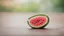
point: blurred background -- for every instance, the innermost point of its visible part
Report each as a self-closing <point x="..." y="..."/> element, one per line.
<point x="31" y="5"/>
<point x="15" y="13"/>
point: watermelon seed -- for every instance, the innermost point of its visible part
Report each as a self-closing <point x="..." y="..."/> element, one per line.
<point x="43" y="20"/>
<point x="40" y="19"/>
<point x="37" y="21"/>
<point x="34" y="23"/>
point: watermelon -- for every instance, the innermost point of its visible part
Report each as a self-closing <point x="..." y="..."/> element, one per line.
<point x="38" y="21"/>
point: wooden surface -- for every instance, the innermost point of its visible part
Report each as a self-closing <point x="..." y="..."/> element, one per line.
<point x="14" y="24"/>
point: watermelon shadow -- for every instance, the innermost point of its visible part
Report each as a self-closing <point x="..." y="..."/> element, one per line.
<point x="39" y="29"/>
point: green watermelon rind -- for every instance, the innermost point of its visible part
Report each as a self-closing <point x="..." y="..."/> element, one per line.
<point x="41" y="26"/>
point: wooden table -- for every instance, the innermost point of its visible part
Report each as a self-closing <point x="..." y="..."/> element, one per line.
<point x="14" y="24"/>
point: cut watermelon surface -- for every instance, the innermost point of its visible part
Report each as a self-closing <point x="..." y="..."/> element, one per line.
<point x="38" y="21"/>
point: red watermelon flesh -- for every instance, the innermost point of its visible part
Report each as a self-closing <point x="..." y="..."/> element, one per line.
<point x="38" y="21"/>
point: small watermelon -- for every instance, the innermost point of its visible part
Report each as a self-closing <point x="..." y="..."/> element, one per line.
<point x="38" y="21"/>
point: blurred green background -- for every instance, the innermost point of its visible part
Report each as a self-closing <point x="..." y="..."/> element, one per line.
<point x="31" y="5"/>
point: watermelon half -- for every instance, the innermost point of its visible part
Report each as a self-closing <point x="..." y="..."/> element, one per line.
<point x="38" y="21"/>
